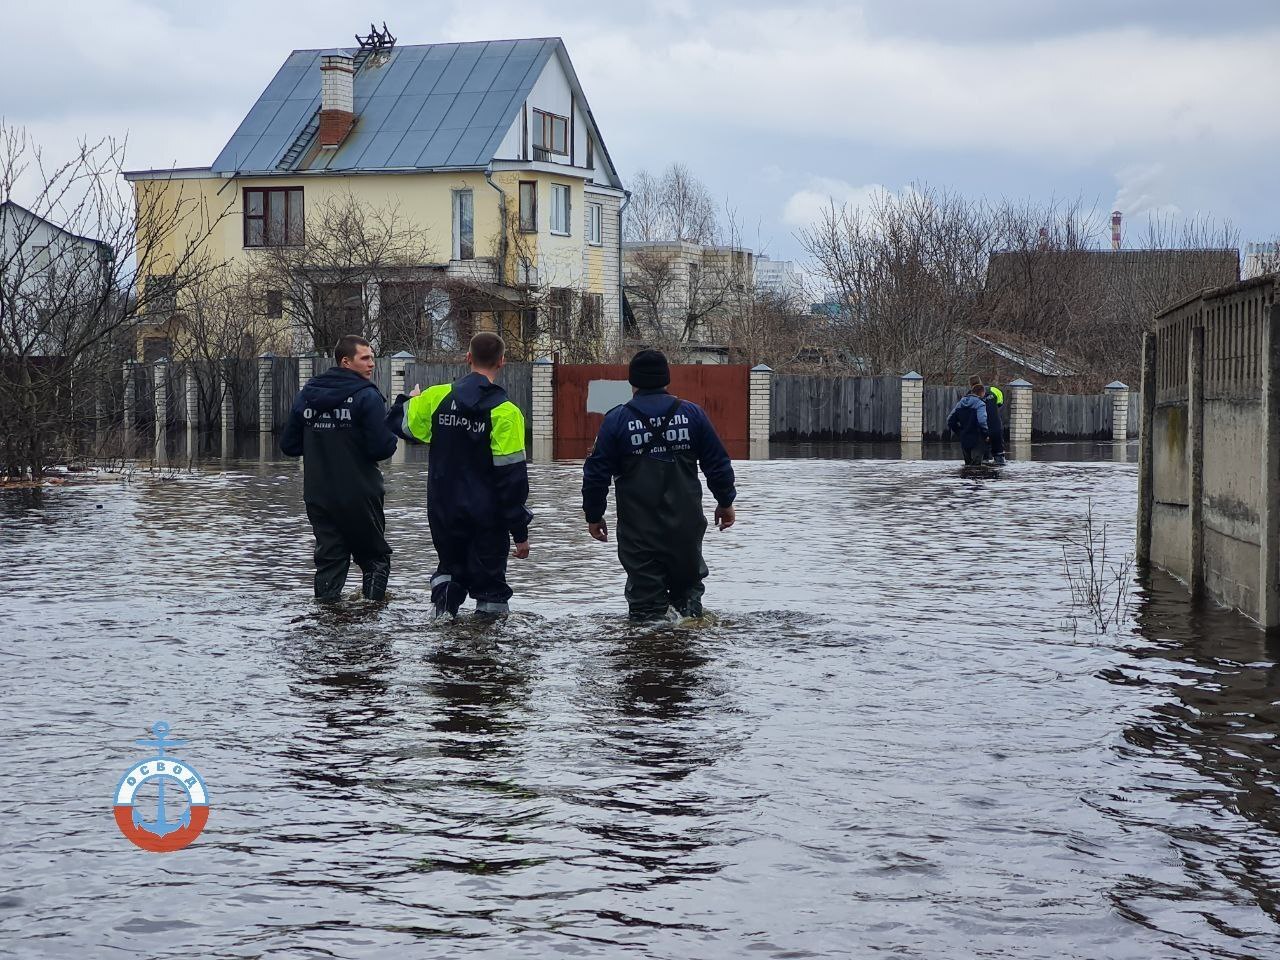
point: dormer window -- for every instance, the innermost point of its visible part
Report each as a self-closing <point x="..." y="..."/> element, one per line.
<point x="550" y="135"/>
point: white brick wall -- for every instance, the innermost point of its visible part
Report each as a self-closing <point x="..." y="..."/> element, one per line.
<point x="337" y="84"/>
<point x="759" y="405"/>
<point x="1019" y="414"/>
<point x="541" y="414"/>
<point x="912" y="416"/>
<point x="266" y="390"/>
<point x="1119" y="414"/>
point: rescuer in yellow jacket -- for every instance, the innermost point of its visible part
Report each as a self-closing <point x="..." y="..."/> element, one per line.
<point x="477" y="479"/>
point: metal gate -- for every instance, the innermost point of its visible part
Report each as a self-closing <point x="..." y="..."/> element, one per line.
<point x="584" y="393"/>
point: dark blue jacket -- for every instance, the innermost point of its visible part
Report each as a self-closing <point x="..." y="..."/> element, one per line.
<point x="968" y="421"/>
<point x="689" y="434"/>
<point x="338" y="426"/>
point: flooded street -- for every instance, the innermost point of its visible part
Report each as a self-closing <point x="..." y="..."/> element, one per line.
<point x="893" y="741"/>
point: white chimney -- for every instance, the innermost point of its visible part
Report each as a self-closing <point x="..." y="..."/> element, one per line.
<point x="337" y="99"/>
<point x="1116" y="216"/>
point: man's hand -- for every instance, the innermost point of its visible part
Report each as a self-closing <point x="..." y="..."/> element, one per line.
<point x="417" y="389"/>
<point x="725" y="517"/>
<point x="598" y="531"/>
<point x="521" y="551"/>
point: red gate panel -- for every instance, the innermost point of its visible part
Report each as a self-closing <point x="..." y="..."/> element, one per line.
<point x="721" y="390"/>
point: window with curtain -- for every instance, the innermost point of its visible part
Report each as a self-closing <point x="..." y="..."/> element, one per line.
<point x="464" y="240"/>
<point x="528" y="206"/>
<point x="273" y="216"/>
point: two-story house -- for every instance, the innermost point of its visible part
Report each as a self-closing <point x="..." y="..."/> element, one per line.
<point x="488" y="151"/>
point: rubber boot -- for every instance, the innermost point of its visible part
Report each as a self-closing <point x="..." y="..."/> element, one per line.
<point x="375" y="581"/>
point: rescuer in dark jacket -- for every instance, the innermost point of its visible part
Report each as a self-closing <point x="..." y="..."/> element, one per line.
<point x="338" y="427"/>
<point x="651" y="447"/>
<point x="994" y="400"/>
<point x="968" y="422"/>
<point x="477" y="479"/>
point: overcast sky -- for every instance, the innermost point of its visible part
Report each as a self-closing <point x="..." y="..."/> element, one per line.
<point x="1167" y="106"/>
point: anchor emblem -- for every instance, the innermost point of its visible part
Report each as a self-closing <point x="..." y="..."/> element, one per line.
<point x="161" y="826"/>
<point x="161" y="835"/>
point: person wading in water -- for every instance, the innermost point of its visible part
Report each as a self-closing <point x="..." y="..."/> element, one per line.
<point x="651" y="447"/>
<point x="968" y="422"/>
<point x="477" y="479"/>
<point x="338" y="426"/>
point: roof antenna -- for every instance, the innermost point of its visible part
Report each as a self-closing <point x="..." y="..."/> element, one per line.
<point x="378" y="41"/>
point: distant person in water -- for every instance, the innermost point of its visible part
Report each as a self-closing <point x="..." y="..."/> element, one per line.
<point x="338" y="426"/>
<point x="651" y="448"/>
<point x="968" y="423"/>
<point x="994" y="399"/>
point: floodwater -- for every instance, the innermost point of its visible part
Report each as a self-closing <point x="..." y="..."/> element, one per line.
<point x="894" y="741"/>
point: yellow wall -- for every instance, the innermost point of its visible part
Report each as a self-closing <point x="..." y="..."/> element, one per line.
<point x="423" y="200"/>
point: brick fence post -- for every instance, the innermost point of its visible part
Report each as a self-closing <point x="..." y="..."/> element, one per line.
<point x="266" y="392"/>
<point x="161" y="397"/>
<point x="542" y="408"/>
<point x="191" y="396"/>
<point x="130" y="396"/>
<point x="228" y="397"/>
<point x="1119" y="393"/>
<point x="759" y="411"/>
<point x="399" y="362"/>
<point x="1020" y="400"/>
<point x="911" y="428"/>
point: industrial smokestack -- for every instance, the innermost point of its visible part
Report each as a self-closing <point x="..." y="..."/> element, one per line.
<point x="1116" y="217"/>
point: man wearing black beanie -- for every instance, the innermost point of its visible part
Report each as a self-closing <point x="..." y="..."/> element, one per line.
<point x="652" y="447"/>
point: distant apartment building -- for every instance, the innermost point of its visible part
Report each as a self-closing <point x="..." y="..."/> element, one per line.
<point x="1260" y="258"/>
<point x="682" y="296"/>
<point x="777" y="278"/>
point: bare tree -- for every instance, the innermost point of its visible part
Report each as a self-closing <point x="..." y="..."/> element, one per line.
<point x="351" y="251"/>
<point x="222" y="315"/>
<point x="70" y="295"/>
<point x="675" y="207"/>
<point x="907" y="273"/>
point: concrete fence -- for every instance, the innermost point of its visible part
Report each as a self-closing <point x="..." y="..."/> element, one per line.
<point x="1209" y="474"/>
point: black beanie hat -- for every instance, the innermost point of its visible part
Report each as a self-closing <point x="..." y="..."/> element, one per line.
<point x="649" y="370"/>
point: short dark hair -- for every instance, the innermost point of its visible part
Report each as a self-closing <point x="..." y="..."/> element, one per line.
<point x="487" y="349"/>
<point x="346" y="347"/>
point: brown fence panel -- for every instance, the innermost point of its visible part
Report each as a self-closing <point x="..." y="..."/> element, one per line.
<point x="720" y="389"/>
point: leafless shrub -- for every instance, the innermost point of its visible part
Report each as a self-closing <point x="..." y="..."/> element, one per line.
<point x="72" y="294"/>
<point x="1100" y="584"/>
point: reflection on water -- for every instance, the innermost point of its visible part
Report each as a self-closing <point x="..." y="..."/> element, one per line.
<point x="889" y="740"/>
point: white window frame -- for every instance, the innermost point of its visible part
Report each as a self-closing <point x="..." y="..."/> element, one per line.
<point x="595" y="224"/>
<point x="457" y="223"/>
<point x="558" y="191"/>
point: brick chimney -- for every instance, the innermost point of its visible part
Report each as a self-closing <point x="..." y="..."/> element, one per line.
<point x="337" y="99"/>
<point x="1115" y="229"/>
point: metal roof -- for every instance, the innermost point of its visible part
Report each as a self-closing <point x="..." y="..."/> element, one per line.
<point x="429" y="105"/>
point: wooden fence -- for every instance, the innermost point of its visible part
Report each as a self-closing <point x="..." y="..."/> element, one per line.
<point x="938" y="403"/>
<point x="1056" y="416"/>
<point x="812" y="408"/>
